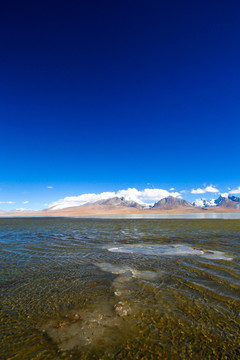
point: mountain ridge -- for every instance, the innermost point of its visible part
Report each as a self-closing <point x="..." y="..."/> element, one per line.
<point x="167" y="203"/>
<point x="120" y="205"/>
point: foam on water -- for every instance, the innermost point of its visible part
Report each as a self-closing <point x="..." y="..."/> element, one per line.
<point x="169" y="250"/>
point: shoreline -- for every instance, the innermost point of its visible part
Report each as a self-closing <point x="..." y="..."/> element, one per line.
<point x="228" y="215"/>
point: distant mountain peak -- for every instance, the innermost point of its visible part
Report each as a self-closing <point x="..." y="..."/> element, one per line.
<point x="119" y="202"/>
<point x="229" y="202"/>
<point x="223" y="201"/>
<point x="171" y="203"/>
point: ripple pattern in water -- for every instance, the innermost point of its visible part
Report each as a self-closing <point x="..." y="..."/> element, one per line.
<point x="119" y="289"/>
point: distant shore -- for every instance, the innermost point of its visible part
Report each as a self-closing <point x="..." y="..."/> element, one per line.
<point x="92" y="212"/>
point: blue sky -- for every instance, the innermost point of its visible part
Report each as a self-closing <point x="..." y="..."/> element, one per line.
<point x="104" y="96"/>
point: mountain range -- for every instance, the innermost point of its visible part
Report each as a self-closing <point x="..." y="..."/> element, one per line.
<point x="170" y="203"/>
<point x="120" y="205"/>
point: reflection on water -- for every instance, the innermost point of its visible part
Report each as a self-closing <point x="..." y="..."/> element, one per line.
<point x="119" y="289"/>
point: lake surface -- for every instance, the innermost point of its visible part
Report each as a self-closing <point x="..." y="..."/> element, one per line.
<point x="74" y="288"/>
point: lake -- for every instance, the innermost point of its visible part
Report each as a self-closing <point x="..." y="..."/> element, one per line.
<point x="119" y="288"/>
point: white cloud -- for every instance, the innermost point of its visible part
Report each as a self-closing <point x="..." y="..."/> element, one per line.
<point x="145" y="196"/>
<point x="155" y="194"/>
<point x="172" y="189"/>
<point x="22" y="210"/>
<point x="70" y="201"/>
<point x="235" y="191"/>
<point x="210" y="189"/>
<point x="130" y="193"/>
<point x="224" y="195"/>
<point x="25" y="202"/>
<point x="50" y="187"/>
<point x="198" y="191"/>
<point x="7" y="202"/>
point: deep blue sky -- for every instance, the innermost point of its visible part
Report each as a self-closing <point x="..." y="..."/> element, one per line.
<point x="103" y="95"/>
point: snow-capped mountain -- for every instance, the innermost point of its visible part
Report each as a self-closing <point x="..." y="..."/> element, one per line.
<point x="204" y="203"/>
<point x="224" y="200"/>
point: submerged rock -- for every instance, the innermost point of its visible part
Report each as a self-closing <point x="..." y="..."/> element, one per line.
<point x="60" y="325"/>
<point x="122" y="309"/>
<point x="73" y="317"/>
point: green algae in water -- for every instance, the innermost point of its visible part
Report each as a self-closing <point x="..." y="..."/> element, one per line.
<point x="64" y="295"/>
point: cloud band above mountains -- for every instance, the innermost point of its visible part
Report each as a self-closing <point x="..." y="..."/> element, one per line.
<point x="7" y="202"/>
<point x="235" y="191"/>
<point x="146" y="196"/>
<point x="210" y="189"/>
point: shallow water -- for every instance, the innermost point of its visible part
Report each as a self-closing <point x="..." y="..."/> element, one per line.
<point x="119" y="289"/>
